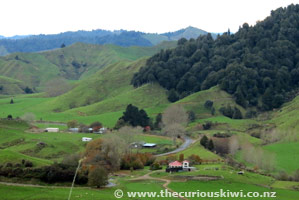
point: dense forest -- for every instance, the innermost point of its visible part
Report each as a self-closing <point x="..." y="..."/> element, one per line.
<point x="258" y="65"/>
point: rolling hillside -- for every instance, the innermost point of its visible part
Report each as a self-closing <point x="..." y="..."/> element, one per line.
<point x="10" y="86"/>
<point x="75" y="62"/>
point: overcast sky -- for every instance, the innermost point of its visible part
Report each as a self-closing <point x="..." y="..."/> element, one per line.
<point x="22" y="17"/>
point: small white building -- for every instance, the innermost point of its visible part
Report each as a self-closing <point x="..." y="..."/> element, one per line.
<point x="149" y="145"/>
<point x="53" y="130"/>
<point x="86" y="139"/>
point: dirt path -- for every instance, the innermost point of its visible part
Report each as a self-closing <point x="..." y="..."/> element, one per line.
<point x="165" y="185"/>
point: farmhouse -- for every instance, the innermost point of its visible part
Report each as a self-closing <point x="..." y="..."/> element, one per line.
<point x="86" y="139"/>
<point x="54" y="130"/>
<point x="177" y="166"/>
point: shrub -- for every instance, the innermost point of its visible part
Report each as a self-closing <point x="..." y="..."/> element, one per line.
<point x="72" y="123"/>
<point x="204" y="141"/>
<point x="195" y="159"/>
<point x="155" y="166"/>
<point x="207" y="125"/>
<point x="98" y="177"/>
<point x="208" y="104"/>
<point x="28" y="163"/>
<point x="137" y="161"/>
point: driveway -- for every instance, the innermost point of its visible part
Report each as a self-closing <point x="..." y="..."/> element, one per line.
<point x="188" y="141"/>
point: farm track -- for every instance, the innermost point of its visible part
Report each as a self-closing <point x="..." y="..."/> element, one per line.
<point x="188" y="141"/>
<point x="165" y="185"/>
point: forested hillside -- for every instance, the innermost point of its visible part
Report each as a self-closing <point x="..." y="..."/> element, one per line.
<point x="258" y="65"/>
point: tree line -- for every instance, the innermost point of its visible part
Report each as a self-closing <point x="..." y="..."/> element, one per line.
<point x="258" y="65"/>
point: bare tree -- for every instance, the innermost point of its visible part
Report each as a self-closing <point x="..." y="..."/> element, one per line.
<point x="234" y="145"/>
<point x="113" y="149"/>
<point x="175" y="114"/>
<point x="174" y="130"/>
<point x="28" y="117"/>
<point x="174" y="119"/>
<point x="129" y="133"/>
<point x="276" y="135"/>
<point x="56" y="87"/>
<point x="256" y="155"/>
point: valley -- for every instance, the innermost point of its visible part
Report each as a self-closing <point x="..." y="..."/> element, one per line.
<point x="132" y="115"/>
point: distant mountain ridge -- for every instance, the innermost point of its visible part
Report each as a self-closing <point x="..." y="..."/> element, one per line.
<point x="36" y="43"/>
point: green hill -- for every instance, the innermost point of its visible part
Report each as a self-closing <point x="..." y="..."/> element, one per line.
<point x="10" y="86"/>
<point x="75" y="62"/>
<point x="286" y="118"/>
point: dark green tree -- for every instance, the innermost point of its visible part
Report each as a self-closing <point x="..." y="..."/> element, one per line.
<point x="173" y="96"/>
<point x="208" y="104"/>
<point x="237" y="114"/>
<point x="210" y="145"/>
<point x="191" y="116"/>
<point x="98" y="177"/>
<point x="204" y="141"/>
<point x="158" y="121"/>
<point x="28" y="90"/>
<point x="135" y="117"/>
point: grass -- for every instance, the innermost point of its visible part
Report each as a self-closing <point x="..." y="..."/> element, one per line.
<point x="286" y="157"/>
<point x="18" y="143"/>
<point x="289" y="185"/>
<point x="31" y="193"/>
<point x="196" y="149"/>
<point x="36" y="69"/>
<point x="196" y="101"/>
<point x="286" y="118"/>
<point x="10" y="86"/>
<point x="113" y="93"/>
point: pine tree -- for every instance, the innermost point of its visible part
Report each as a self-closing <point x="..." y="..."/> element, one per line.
<point x="210" y="145"/>
<point x="204" y="141"/>
<point x="11" y="101"/>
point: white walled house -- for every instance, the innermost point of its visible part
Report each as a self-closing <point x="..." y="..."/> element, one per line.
<point x="53" y="130"/>
<point x="177" y="166"/>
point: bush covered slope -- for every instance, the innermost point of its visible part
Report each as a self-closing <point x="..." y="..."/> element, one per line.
<point x="258" y="65"/>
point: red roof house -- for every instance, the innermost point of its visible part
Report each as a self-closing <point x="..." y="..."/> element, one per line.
<point x="175" y="164"/>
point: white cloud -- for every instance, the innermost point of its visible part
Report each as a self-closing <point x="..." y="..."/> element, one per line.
<point x="54" y="16"/>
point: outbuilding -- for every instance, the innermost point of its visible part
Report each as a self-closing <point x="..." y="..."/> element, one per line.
<point x="149" y="145"/>
<point x="53" y="130"/>
<point x="86" y="139"/>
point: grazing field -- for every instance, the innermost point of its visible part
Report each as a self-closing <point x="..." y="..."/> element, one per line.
<point x="48" y="193"/>
<point x="40" y="148"/>
<point x="286" y="158"/>
<point x="196" y="149"/>
<point x="286" y="118"/>
<point x="196" y="101"/>
<point x="43" y="148"/>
